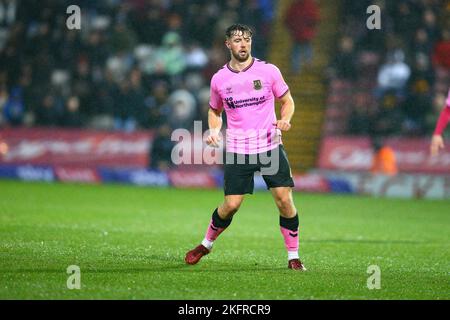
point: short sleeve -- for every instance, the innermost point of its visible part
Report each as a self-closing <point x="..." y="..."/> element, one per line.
<point x="215" y="101"/>
<point x="279" y="87"/>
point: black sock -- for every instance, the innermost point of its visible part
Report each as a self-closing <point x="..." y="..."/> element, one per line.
<point x="219" y="222"/>
<point x="289" y="223"/>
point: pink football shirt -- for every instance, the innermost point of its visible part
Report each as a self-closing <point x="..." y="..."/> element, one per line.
<point x="448" y="98"/>
<point x="248" y="98"/>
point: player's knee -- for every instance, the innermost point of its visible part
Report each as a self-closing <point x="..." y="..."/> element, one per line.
<point x="284" y="203"/>
<point x="231" y="207"/>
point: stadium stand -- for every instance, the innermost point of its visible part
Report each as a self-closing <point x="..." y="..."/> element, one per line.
<point x="393" y="81"/>
<point x="138" y="64"/>
<point x="132" y="63"/>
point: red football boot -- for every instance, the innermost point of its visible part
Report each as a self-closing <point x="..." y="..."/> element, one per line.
<point x="296" y="264"/>
<point x="194" y="256"/>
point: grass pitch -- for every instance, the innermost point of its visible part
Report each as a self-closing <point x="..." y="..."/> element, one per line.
<point x="130" y="242"/>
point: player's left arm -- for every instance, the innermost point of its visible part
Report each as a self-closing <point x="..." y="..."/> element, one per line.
<point x="287" y="111"/>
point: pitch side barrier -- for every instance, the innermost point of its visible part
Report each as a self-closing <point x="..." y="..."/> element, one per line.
<point x="319" y="181"/>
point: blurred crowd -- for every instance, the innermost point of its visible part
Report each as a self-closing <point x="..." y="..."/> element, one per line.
<point x="133" y="64"/>
<point x="147" y="63"/>
<point x="394" y="81"/>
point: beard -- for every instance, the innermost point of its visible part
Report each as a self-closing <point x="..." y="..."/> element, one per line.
<point x="239" y="57"/>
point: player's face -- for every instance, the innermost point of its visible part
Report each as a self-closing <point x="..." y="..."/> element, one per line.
<point x="240" y="45"/>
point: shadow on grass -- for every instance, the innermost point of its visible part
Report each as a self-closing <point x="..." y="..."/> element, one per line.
<point x="137" y="263"/>
<point x="172" y="268"/>
<point x="156" y="263"/>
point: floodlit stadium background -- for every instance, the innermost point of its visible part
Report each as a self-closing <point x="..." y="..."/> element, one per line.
<point x="97" y="105"/>
<point x="83" y="104"/>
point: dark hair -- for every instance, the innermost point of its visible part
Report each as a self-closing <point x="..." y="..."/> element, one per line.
<point x="377" y="142"/>
<point x="231" y="30"/>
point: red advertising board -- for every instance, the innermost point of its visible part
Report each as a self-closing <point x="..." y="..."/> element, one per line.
<point x="310" y="183"/>
<point x="71" y="174"/>
<point x="76" y="148"/>
<point x="355" y="154"/>
<point x="191" y="179"/>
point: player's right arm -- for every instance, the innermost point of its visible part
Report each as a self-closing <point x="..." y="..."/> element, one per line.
<point x="214" y="116"/>
<point x="215" y="124"/>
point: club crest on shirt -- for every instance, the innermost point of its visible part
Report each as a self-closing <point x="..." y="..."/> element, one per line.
<point x="257" y="84"/>
<point x="229" y="91"/>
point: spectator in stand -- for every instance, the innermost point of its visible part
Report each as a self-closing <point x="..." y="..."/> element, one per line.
<point x="177" y="9"/>
<point x="137" y="97"/>
<point x="157" y="110"/>
<point x="161" y="150"/>
<point x="217" y="58"/>
<point x="430" y="25"/>
<point x="203" y="102"/>
<point x="8" y="13"/>
<point x="421" y="44"/>
<point x="14" y="109"/>
<point x="267" y="10"/>
<point x="124" y="108"/>
<point x="82" y="85"/>
<point x="123" y="39"/>
<point x="343" y="65"/>
<point x="418" y="102"/>
<point x="384" y="161"/>
<point x="149" y="23"/>
<point x="67" y="50"/>
<point x="196" y="24"/>
<point x="104" y="88"/>
<point x="387" y="118"/>
<point x="47" y="114"/>
<point x="415" y="108"/>
<point x="393" y="75"/>
<point x="359" y="121"/>
<point x="183" y="109"/>
<point x="362" y="115"/>
<point x="171" y="55"/>
<point x="302" y="19"/>
<point x="441" y="56"/>
<point x="253" y="17"/>
<point x="4" y="97"/>
<point x="409" y="83"/>
<point x="41" y="55"/>
<point x="95" y="49"/>
<point x="103" y="100"/>
<point x="407" y="18"/>
<point x="422" y="74"/>
<point x="196" y="57"/>
<point x="72" y="117"/>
